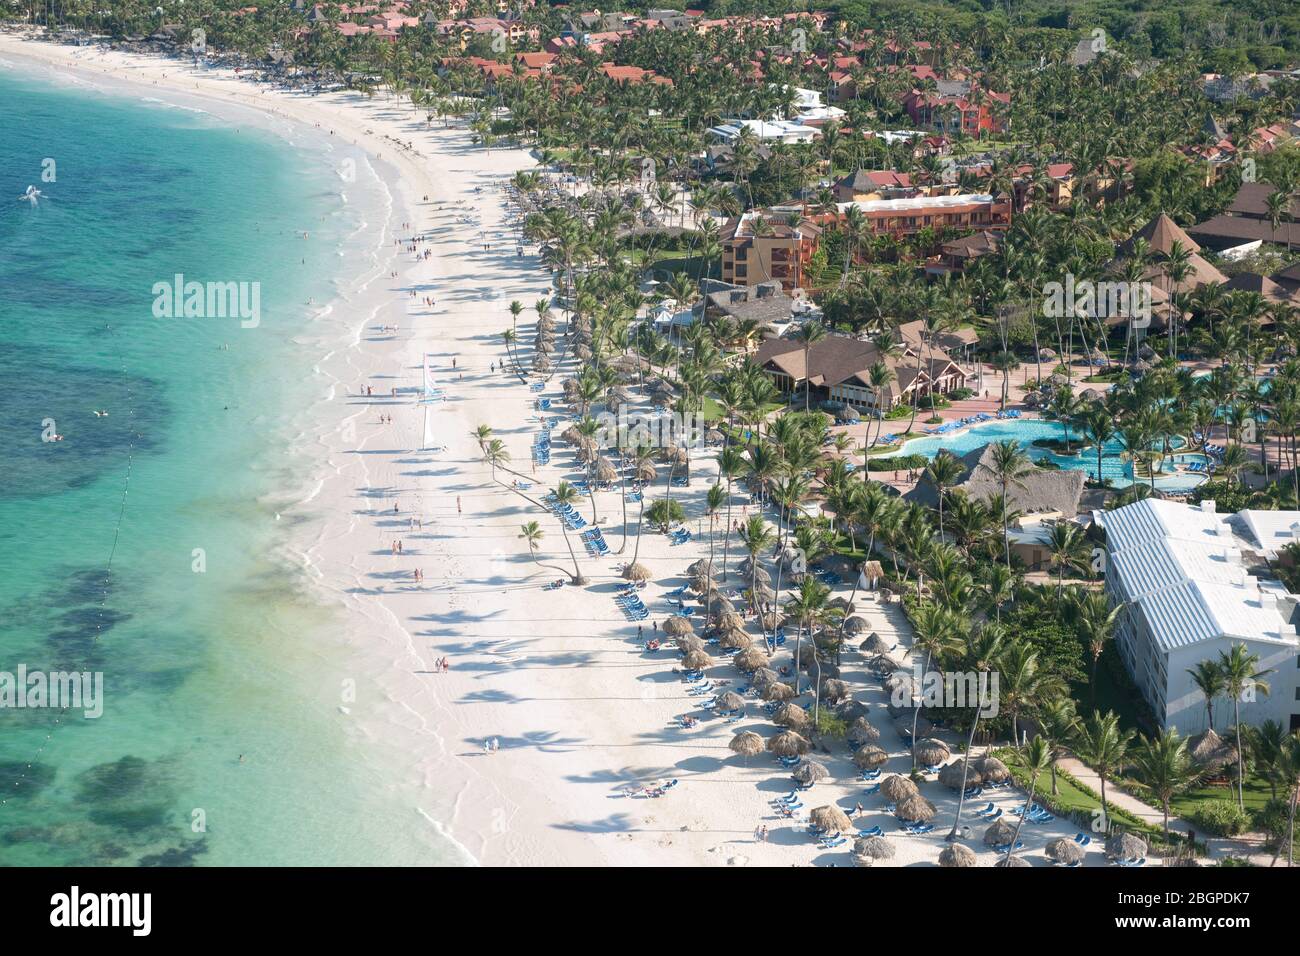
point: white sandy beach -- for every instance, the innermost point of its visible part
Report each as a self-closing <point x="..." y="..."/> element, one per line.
<point x="583" y="715"/>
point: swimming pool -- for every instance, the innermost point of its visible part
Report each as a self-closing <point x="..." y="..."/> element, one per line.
<point x="1025" y="431"/>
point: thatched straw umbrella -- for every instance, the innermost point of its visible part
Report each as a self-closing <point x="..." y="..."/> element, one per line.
<point x="834" y="690"/>
<point x="867" y="850"/>
<point x="716" y="604"/>
<point x="950" y="776"/>
<point x="678" y="626"/>
<point x="764" y="677"/>
<point x="791" y="716"/>
<point x="896" y="788"/>
<point x="992" y="770"/>
<point x="544" y="346"/>
<point x="746" y="743"/>
<point x="747" y="572"/>
<point x="1211" y="750"/>
<point x="810" y="771"/>
<point x="700" y="566"/>
<point x="582" y="353"/>
<point x="1125" y="846"/>
<point x="730" y="621"/>
<point x="760" y="594"/>
<point x="851" y="710"/>
<point x="571" y="435"/>
<point x="862" y="733"/>
<point x="542" y="364"/>
<point x="646" y="472"/>
<point x="605" y="470"/>
<point x="729" y="701"/>
<point x="1065" y="851"/>
<point x="637" y="572"/>
<point x="841" y="604"/>
<point x="829" y="818"/>
<point x="957" y="855"/>
<point x="854" y="626"/>
<point x="869" y="757"/>
<point x="1006" y="861"/>
<point x="702" y="584"/>
<point x="661" y="399"/>
<point x="750" y="659"/>
<point x="546" y="324"/>
<point x="874" y="644"/>
<point x="789" y="744"/>
<point x="999" y="834"/>
<point x="806" y="654"/>
<point x="689" y="642"/>
<point x="697" y="661"/>
<point x="931" y="752"/>
<point x="904" y="726"/>
<point x="898" y="686"/>
<point x="737" y="638"/>
<point x="915" y="809"/>
<point x="779" y="691"/>
<point x="772" y="620"/>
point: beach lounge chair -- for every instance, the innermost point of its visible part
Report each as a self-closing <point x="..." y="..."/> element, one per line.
<point x="1003" y="848"/>
<point x="828" y="843"/>
<point x="873" y="831"/>
<point x="1082" y="839"/>
<point x="874" y="788"/>
<point x="985" y="810"/>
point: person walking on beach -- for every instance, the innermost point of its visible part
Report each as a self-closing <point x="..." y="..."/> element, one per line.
<point x="458" y="511"/>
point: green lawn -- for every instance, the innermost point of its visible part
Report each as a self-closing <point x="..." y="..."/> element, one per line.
<point x="1257" y="795"/>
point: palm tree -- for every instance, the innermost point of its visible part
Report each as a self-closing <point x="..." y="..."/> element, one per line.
<point x="809" y="333"/>
<point x="566" y="494"/>
<point x="983" y="648"/>
<point x="1095" y="621"/>
<point x="1241" y="678"/>
<point x="481" y="434"/>
<point x="808" y="606"/>
<point x="944" y="470"/>
<point x="1163" y="768"/>
<point x="1038" y="758"/>
<point x="533" y="534"/>
<point x="731" y="464"/>
<point x="1068" y="549"/>
<point x="495" y="454"/>
<point x="1208" y="679"/>
<point x="1104" y="746"/>
<point x="936" y="631"/>
<point x="1009" y="465"/>
<point x="1099" y="426"/>
<point x="1058" y="725"/>
<point x="757" y="538"/>
<point x="713" y="503"/>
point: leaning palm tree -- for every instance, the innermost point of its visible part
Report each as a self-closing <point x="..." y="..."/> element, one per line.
<point x="565" y="494"/>
<point x="533" y="534"/>
<point x="1241" y="679"/>
<point x="1104" y="746"/>
<point x="1010" y="465"/>
<point x="495" y="454"/>
<point x="713" y="504"/>
<point x="481" y="434"/>
<point x="1163" y="768"/>
<point x="1038" y="758"/>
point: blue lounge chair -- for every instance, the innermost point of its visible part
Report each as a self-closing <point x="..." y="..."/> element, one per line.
<point x="1082" y="839"/>
<point x="874" y="788"/>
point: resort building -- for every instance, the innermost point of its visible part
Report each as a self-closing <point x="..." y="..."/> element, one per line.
<point x="839" y="367"/>
<point x="869" y="185"/>
<point x="1195" y="583"/>
<point x="768" y="247"/>
<point x="1247" y="220"/>
<point x="771" y="131"/>
<point x="906" y="217"/>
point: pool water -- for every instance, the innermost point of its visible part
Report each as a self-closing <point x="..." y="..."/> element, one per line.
<point x="1025" y="431"/>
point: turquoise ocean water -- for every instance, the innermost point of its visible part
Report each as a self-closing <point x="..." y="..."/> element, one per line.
<point x="141" y="545"/>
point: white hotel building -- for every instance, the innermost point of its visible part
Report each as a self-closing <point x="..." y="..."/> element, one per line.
<point x="1197" y="582"/>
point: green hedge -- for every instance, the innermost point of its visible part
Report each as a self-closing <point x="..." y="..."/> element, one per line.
<point x="897" y="463"/>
